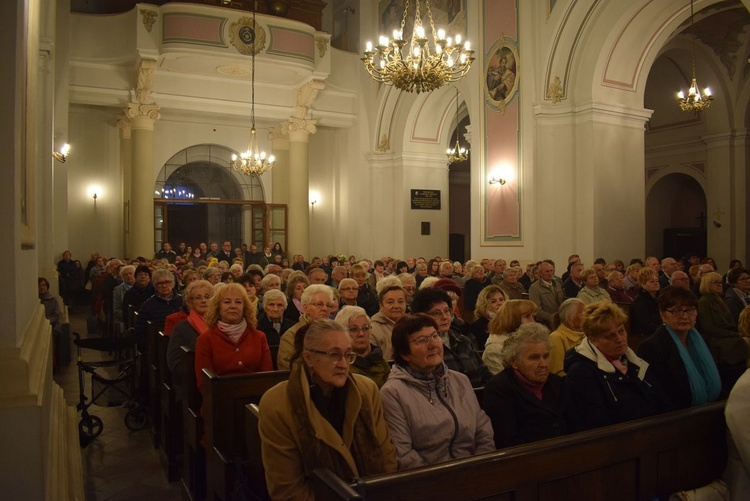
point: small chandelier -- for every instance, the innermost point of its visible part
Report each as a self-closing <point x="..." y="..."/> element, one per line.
<point x="253" y="161"/>
<point x="695" y="101"/>
<point x="421" y="68"/>
<point x="458" y="153"/>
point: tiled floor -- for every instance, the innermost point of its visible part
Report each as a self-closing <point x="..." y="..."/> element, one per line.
<point x="120" y="464"/>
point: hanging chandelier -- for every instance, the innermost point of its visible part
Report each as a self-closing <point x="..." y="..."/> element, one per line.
<point x="458" y="153"/>
<point x="415" y="65"/>
<point x="254" y="161"/>
<point x="695" y="101"/>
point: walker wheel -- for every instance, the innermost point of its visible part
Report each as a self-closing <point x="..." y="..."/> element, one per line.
<point x="136" y="419"/>
<point x="89" y="428"/>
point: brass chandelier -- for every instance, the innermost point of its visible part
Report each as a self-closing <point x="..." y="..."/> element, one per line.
<point x="695" y="101"/>
<point x="458" y="153"/>
<point x="254" y="161"/>
<point x="416" y="65"/>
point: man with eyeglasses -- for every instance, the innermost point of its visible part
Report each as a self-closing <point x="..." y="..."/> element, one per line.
<point x="141" y="290"/>
<point x="317" y="303"/>
<point x="458" y="350"/>
<point x="155" y="309"/>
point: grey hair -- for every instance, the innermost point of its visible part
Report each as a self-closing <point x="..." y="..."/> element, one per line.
<point x="567" y="308"/>
<point x="274" y="294"/>
<point x="313" y="289"/>
<point x="128" y="267"/>
<point x="530" y="333"/>
<point x="210" y="270"/>
<point x="349" y="313"/>
<point x="406" y="277"/>
<point x="162" y="273"/>
<point x="236" y="267"/>
<point x="319" y="328"/>
<point x="386" y="282"/>
<point x="267" y="279"/>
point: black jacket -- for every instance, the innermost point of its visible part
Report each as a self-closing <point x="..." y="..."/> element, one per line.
<point x="644" y="315"/>
<point x="665" y="364"/>
<point x="266" y="326"/>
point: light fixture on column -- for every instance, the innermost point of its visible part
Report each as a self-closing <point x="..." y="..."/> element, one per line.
<point x="694" y="101"/>
<point x="458" y="153"/>
<point x="62" y="155"/>
<point x="497" y="180"/>
<point x="415" y="65"/>
<point x="254" y="161"/>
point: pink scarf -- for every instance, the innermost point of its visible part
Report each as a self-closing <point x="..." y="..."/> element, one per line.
<point x="233" y="331"/>
<point x="534" y="388"/>
<point x="197" y="322"/>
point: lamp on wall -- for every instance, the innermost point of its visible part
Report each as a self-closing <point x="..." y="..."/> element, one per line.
<point x="62" y="155"/>
<point x="694" y="101"/>
<point x="458" y="153"/>
<point x="414" y="65"/>
<point x="254" y="161"/>
<point x="497" y="180"/>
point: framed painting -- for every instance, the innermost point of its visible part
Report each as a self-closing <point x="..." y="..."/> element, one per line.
<point x="502" y="73"/>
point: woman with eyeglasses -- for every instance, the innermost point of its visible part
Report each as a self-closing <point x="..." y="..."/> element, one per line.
<point x="431" y="411"/>
<point x="322" y="417"/>
<point x="677" y="355"/>
<point x="232" y="344"/>
<point x="720" y="330"/>
<point x="185" y="333"/>
<point x="370" y="361"/>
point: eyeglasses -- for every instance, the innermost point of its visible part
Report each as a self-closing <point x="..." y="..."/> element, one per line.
<point x="205" y="296"/>
<point x="162" y="284"/>
<point x="423" y="340"/>
<point x="321" y="305"/>
<point x="364" y="330"/>
<point x="335" y="356"/>
<point x="440" y="313"/>
<point x="682" y="311"/>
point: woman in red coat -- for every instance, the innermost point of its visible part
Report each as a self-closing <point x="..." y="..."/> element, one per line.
<point x="232" y="344"/>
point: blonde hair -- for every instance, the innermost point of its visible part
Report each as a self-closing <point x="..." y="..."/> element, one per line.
<point x="706" y="280"/>
<point x="602" y="316"/>
<point x="485" y="298"/>
<point x="249" y="311"/>
<point x="508" y="319"/>
<point x="645" y="274"/>
<point x="187" y="298"/>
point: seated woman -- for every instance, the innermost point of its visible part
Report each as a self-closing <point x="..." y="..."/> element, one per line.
<point x="736" y="296"/>
<point x="271" y="320"/>
<point x="370" y="361"/>
<point x="591" y="292"/>
<point x="616" y="288"/>
<point x="196" y="299"/>
<point x="295" y="286"/>
<point x="677" y="355"/>
<point x="568" y="334"/>
<point x="511" y="286"/>
<point x="525" y="402"/>
<point x="432" y="412"/>
<point x="645" y="310"/>
<point x="392" y="301"/>
<point x="715" y="322"/>
<point x="51" y="305"/>
<point x="232" y="344"/>
<point x="607" y="382"/>
<point x="322" y="417"/>
<point x="488" y="304"/>
<point x="511" y="316"/>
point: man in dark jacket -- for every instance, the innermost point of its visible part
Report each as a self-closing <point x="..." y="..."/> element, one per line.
<point x="138" y="293"/>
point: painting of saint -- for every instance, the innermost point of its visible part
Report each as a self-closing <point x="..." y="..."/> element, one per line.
<point x="502" y="74"/>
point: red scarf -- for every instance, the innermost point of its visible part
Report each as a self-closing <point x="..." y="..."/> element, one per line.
<point x="197" y="321"/>
<point x="534" y="388"/>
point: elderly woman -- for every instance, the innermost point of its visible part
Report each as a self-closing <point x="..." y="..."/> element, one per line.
<point x="721" y="332"/>
<point x="370" y="361"/>
<point x="510" y="317"/>
<point x="127" y="274"/>
<point x="348" y="290"/>
<point x="409" y="284"/>
<point x="736" y="295"/>
<point x="591" y="292"/>
<point x="317" y="304"/>
<point x="295" y="286"/>
<point x="568" y="334"/>
<point x="269" y="282"/>
<point x="488" y="304"/>
<point x="616" y="288"/>
<point x="392" y="301"/>
<point x="212" y="274"/>
<point x="510" y="285"/>
<point x="271" y="320"/>
<point x="607" y="381"/>
<point x="322" y="417"/>
<point x="196" y="299"/>
<point x="232" y="344"/>
<point x="431" y="410"/>
<point x="645" y="316"/>
<point x="525" y="402"/>
<point x="677" y="355"/>
<point x="367" y="298"/>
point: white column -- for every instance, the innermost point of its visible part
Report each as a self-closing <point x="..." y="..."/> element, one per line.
<point x="725" y="183"/>
<point x="280" y="172"/>
<point x="126" y="167"/>
<point x="298" y="208"/>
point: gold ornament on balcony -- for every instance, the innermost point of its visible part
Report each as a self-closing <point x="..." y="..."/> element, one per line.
<point x="415" y="65"/>
<point x="694" y="101"/>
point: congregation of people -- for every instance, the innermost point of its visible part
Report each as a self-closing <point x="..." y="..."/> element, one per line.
<point x="386" y="356"/>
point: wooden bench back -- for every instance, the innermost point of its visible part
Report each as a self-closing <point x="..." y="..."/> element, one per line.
<point x="194" y="460"/>
<point x="644" y="459"/>
<point x="256" y="474"/>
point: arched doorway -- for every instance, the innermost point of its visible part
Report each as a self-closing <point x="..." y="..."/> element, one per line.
<point x="199" y="198"/>
<point x="676" y="217"/>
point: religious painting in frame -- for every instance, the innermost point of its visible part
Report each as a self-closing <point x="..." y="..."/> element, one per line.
<point x="449" y="15"/>
<point x="502" y="74"/>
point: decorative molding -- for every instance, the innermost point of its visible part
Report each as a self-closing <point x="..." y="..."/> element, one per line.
<point x="726" y="45"/>
<point x="299" y="125"/>
<point x="124" y="124"/>
<point x="136" y="111"/>
<point x="322" y="44"/>
<point x="384" y="145"/>
<point x="148" y="18"/>
<point x="145" y="81"/>
<point x="306" y="96"/>
<point x="246" y="36"/>
<point x="555" y="91"/>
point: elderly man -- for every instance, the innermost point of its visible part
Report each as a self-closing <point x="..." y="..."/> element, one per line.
<point x="127" y="274"/>
<point x="680" y="279"/>
<point x="511" y="286"/>
<point x="668" y="266"/>
<point x="164" y="302"/>
<point x="498" y="271"/>
<point x="317" y="303"/>
<point x="601" y="273"/>
<point x="213" y="251"/>
<point x="226" y="253"/>
<point x="547" y="294"/>
<point x="574" y="283"/>
<point x="317" y="276"/>
<point x="337" y="275"/>
<point x="573" y="258"/>
<point x="446" y="270"/>
<point x="616" y="288"/>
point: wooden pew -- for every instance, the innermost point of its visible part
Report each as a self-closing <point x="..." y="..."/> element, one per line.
<point x="193" y="453"/>
<point x="256" y="474"/>
<point x="154" y="380"/>
<point x="224" y="400"/>
<point x="643" y="460"/>
<point x="170" y="417"/>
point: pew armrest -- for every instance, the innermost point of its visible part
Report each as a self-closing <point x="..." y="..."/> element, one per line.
<point x="327" y="485"/>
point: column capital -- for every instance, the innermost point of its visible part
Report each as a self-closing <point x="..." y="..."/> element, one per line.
<point x="279" y="138"/>
<point x="143" y="116"/>
<point x="299" y="129"/>
<point x="124" y="124"/>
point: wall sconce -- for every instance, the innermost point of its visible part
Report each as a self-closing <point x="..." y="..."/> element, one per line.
<point x="313" y="202"/>
<point x="497" y="180"/>
<point x="95" y="197"/>
<point x="313" y="197"/>
<point x="62" y="155"/>
<point x="95" y="192"/>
